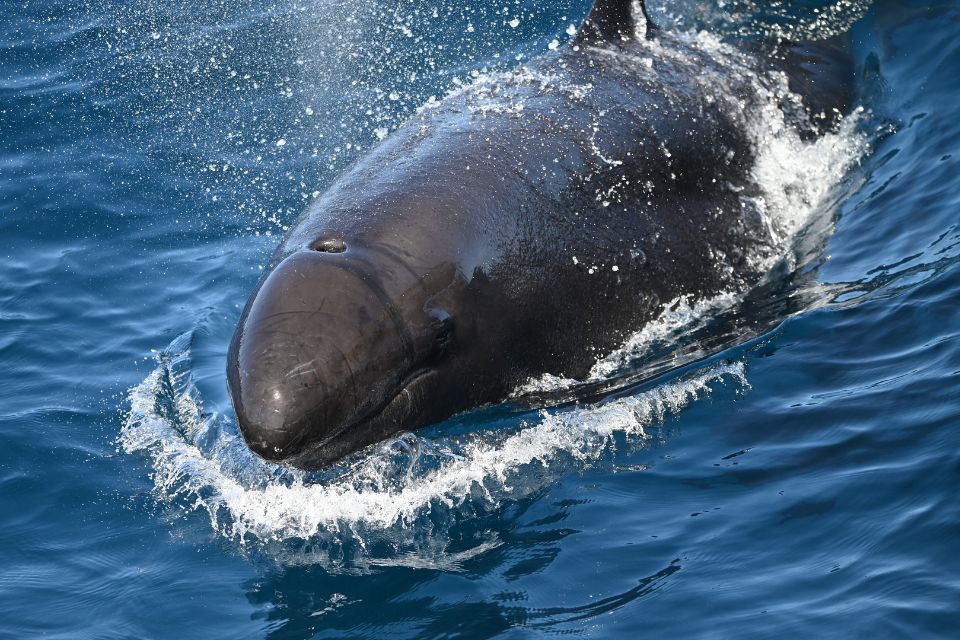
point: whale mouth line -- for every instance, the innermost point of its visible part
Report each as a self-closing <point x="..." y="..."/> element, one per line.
<point x="405" y="384"/>
<point x="374" y="423"/>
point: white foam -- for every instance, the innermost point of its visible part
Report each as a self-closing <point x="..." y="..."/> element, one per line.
<point x="248" y="499"/>
<point x="795" y="177"/>
<point x="678" y="316"/>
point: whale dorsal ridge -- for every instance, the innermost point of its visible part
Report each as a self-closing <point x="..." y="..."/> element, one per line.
<point x="613" y="21"/>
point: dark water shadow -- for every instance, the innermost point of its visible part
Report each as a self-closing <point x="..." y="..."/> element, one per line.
<point x="383" y="604"/>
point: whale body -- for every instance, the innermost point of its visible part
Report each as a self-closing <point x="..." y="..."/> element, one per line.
<point x="525" y="225"/>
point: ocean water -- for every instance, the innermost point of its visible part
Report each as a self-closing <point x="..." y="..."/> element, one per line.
<point x="784" y="464"/>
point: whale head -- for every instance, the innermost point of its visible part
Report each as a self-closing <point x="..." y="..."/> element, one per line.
<point x="334" y="350"/>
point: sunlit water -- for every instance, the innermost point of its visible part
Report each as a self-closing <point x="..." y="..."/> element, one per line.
<point x="782" y="461"/>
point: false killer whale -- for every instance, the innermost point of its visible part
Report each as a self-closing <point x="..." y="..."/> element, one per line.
<point x="524" y="225"/>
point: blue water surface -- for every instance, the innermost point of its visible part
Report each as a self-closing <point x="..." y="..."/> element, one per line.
<point x="798" y="482"/>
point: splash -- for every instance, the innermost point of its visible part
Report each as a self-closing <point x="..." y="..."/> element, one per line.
<point x="796" y="174"/>
<point x="797" y="178"/>
<point x="257" y="106"/>
<point x="409" y="491"/>
<point x="677" y="317"/>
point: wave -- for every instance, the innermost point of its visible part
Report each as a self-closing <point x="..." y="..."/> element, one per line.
<point x="407" y="493"/>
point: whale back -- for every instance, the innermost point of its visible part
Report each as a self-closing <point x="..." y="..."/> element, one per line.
<point x="619" y="186"/>
<point x="525" y="225"/>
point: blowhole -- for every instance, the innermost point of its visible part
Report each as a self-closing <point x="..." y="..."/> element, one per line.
<point x="329" y="245"/>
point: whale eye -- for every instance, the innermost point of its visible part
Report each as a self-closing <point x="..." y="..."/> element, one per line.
<point x="442" y="327"/>
<point x="329" y="245"/>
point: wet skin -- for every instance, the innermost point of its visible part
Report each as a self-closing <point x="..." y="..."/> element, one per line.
<point x="522" y="227"/>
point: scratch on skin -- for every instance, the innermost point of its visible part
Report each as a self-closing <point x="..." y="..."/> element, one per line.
<point x="302" y="369"/>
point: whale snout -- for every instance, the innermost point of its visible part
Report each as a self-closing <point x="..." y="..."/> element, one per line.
<point x="318" y="358"/>
<point x="316" y="349"/>
<point x="282" y="409"/>
<point x="273" y="424"/>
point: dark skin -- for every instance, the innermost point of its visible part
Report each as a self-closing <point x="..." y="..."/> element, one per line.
<point x="522" y="227"/>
